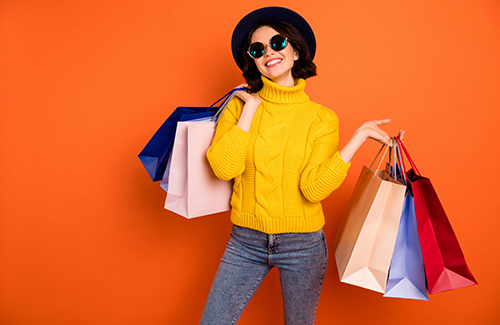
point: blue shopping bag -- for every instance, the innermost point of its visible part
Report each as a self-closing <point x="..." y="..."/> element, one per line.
<point x="155" y="155"/>
<point x="407" y="274"/>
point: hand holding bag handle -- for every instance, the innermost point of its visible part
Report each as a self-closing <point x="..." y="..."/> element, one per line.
<point x="227" y="98"/>
<point x="188" y="117"/>
<point x="155" y="155"/>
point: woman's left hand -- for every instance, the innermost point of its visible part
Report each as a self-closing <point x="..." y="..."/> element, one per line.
<point x="369" y="130"/>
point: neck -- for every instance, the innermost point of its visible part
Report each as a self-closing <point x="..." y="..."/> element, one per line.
<point x="284" y="80"/>
<point x="275" y="93"/>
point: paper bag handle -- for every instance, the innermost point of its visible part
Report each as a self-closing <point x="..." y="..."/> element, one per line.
<point x="227" y="98"/>
<point x="407" y="154"/>
<point x="226" y="95"/>
<point x="400" y="159"/>
<point x="381" y="160"/>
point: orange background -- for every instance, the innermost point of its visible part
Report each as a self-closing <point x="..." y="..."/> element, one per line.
<point x="84" y="238"/>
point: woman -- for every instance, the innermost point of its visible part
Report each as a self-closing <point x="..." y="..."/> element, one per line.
<point x="281" y="150"/>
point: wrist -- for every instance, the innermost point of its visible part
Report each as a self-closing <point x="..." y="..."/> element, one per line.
<point x="251" y="105"/>
<point x="356" y="141"/>
<point x="360" y="136"/>
<point x="245" y="120"/>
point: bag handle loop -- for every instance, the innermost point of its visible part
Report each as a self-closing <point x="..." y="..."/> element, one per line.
<point x="381" y="160"/>
<point x="407" y="154"/>
<point x="401" y="160"/>
<point x="226" y="95"/>
<point x="227" y="98"/>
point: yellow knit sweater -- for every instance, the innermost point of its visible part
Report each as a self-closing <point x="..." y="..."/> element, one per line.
<point x="285" y="165"/>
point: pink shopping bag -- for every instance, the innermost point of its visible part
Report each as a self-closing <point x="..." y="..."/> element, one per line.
<point x="193" y="189"/>
<point x="365" y="240"/>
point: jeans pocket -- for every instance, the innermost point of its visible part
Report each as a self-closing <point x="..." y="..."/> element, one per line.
<point x="326" y="245"/>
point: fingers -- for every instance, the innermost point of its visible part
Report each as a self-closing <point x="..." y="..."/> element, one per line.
<point x="387" y="139"/>
<point x="243" y="85"/>
<point x="380" y="136"/>
<point x="401" y="134"/>
<point x="248" y="98"/>
<point x="243" y="95"/>
<point x="382" y="122"/>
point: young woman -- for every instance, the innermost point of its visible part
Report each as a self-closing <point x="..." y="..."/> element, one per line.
<point x="281" y="150"/>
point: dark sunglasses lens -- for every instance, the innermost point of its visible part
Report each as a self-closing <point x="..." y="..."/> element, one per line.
<point x="256" y="50"/>
<point x="278" y="42"/>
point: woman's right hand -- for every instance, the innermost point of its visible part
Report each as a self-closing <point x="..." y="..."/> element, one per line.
<point x="252" y="102"/>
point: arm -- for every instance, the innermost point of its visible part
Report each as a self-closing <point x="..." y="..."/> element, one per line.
<point x="252" y="103"/>
<point x="228" y="151"/>
<point x="325" y="169"/>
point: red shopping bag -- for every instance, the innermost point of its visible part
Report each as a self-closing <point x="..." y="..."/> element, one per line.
<point x="444" y="261"/>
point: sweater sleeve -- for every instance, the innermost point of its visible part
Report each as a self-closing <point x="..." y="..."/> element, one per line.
<point x="325" y="170"/>
<point x="229" y="147"/>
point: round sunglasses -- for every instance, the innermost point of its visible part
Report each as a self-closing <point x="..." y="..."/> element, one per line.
<point x="277" y="43"/>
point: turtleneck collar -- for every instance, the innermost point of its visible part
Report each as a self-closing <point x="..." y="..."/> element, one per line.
<point x="275" y="93"/>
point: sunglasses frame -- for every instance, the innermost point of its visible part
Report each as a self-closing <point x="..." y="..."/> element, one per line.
<point x="266" y="45"/>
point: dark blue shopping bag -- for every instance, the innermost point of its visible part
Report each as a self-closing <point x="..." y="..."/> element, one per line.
<point x="157" y="151"/>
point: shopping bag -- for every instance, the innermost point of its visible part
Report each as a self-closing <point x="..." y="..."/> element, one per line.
<point x="155" y="155"/>
<point x="365" y="240"/>
<point x="444" y="261"/>
<point x="407" y="274"/>
<point x="212" y="116"/>
<point x="193" y="189"/>
<point x="195" y="117"/>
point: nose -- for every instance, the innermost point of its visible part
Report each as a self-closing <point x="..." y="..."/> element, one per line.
<point x="266" y="51"/>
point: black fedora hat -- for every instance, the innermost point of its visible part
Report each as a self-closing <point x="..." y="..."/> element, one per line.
<point x="270" y="14"/>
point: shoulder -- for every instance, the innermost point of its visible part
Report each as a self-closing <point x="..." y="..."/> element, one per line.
<point x="324" y="122"/>
<point x="324" y="117"/>
<point x="327" y="115"/>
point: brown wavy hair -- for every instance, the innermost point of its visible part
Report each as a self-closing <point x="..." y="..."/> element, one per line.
<point x="302" y="68"/>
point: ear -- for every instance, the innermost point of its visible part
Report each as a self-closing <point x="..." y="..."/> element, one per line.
<point x="295" y="55"/>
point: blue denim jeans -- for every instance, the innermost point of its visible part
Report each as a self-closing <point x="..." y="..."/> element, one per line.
<point x="301" y="259"/>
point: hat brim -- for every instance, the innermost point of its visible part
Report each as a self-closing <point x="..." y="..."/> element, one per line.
<point x="270" y="14"/>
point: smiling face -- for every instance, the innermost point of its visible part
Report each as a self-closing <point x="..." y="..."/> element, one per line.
<point x="275" y="65"/>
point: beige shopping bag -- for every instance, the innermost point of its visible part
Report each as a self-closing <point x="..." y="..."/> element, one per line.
<point x="367" y="234"/>
<point x="193" y="189"/>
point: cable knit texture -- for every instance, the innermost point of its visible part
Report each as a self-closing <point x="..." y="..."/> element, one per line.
<point x="285" y="165"/>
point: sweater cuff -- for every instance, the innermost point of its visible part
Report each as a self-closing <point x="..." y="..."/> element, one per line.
<point x="238" y="135"/>
<point x="339" y="165"/>
<point x="334" y="175"/>
<point x="236" y="145"/>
